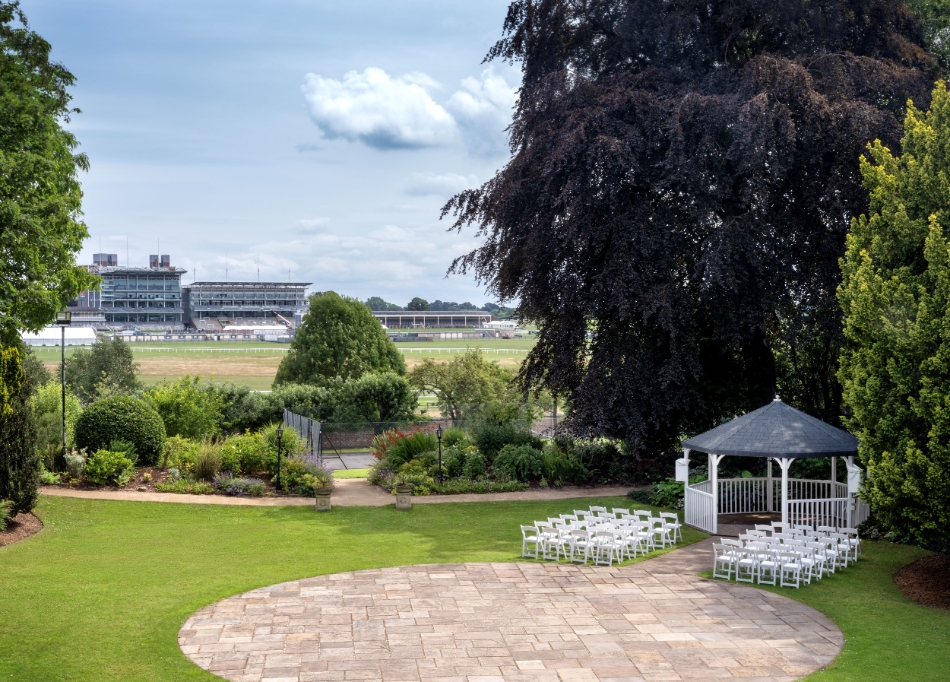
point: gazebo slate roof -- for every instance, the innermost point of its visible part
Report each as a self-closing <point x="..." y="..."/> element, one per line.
<point x="776" y="430"/>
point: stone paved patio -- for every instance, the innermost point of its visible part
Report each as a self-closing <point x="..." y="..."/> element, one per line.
<point x="513" y="621"/>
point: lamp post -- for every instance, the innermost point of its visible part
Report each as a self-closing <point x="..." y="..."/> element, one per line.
<point x="280" y="435"/>
<point x="438" y="435"/>
<point x="63" y="319"/>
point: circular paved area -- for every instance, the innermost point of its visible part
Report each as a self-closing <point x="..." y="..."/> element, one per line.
<point x="520" y="621"/>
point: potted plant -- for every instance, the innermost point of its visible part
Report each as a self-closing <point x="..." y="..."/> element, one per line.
<point x="403" y="490"/>
<point x="322" y="487"/>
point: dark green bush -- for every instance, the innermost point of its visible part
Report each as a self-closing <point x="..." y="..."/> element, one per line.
<point x="491" y="437"/>
<point x="519" y="462"/>
<point x="458" y="486"/>
<point x="453" y="436"/>
<point x="642" y="495"/>
<point x="562" y="466"/>
<point x="476" y="464"/>
<point x="454" y="460"/>
<point x="122" y="418"/>
<point x="405" y="449"/>
<point x="7" y="514"/>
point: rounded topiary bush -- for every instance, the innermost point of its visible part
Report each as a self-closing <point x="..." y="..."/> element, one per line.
<point x="122" y="418"/>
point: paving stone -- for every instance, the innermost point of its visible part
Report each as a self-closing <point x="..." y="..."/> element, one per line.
<point x="652" y="621"/>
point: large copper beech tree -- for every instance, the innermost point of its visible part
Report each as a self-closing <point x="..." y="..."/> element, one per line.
<point x="682" y="180"/>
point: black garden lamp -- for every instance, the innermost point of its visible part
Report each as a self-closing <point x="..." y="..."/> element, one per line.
<point x="438" y="435"/>
<point x="280" y="435"/>
<point x="63" y="319"/>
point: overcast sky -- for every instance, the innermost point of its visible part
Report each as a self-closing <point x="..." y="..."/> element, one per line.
<point x="315" y="140"/>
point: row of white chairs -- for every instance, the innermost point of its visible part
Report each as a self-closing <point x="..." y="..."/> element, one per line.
<point x="600" y="536"/>
<point x="786" y="555"/>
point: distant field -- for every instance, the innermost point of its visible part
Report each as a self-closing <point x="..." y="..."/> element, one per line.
<point x="255" y="363"/>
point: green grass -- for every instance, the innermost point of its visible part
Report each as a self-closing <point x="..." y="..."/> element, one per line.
<point x="887" y="636"/>
<point x="353" y="473"/>
<point x="102" y="591"/>
<point x="253" y="383"/>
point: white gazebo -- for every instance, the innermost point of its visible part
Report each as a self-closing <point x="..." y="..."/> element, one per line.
<point x="781" y="434"/>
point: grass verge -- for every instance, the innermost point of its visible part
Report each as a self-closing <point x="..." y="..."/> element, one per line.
<point x="887" y="636"/>
<point x="351" y="473"/>
<point x="101" y="592"/>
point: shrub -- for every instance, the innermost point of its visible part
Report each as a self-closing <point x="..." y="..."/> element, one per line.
<point x="6" y="513"/>
<point x="187" y="407"/>
<point x="125" y="447"/>
<point x="19" y="460"/>
<point x="179" y="452"/>
<point x="562" y="466"/>
<point x="414" y="473"/>
<point x="49" y="478"/>
<point x="75" y="463"/>
<point x="642" y="495"/>
<point x="245" y="454"/>
<point x="519" y="462"/>
<point x="398" y="447"/>
<point x="459" y="486"/>
<point x="105" y="466"/>
<point x="300" y="476"/>
<point x="476" y="464"/>
<point x="454" y="459"/>
<point x="291" y="445"/>
<point x="232" y="486"/>
<point x="453" y="436"/>
<point x="491" y="437"/>
<point x="122" y="418"/>
<point x="207" y="464"/>
<point x="185" y="487"/>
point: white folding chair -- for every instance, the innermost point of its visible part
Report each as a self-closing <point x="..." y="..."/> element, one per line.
<point x="723" y="560"/>
<point x="620" y="513"/>
<point x="672" y="522"/>
<point x="661" y="532"/>
<point x="767" y="565"/>
<point x="790" y="565"/>
<point x="762" y="528"/>
<point x="529" y="539"/>
<point x="745" y="566"/>
<point x="595" y="510"/>
<point x="854" y="540"/>
<point x="580" y="546"/>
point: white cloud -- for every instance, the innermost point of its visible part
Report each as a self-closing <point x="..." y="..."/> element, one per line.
<point x="443" y="185"/>
<point x="312" y="225"/>
<point x="381" y="111"/>
<point x="483" y="109"/>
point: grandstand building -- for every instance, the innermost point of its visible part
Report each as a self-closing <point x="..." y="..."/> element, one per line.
<point x="212" y="306"/>
<point x="134" y="297"/>
<point x="432" y="319"/>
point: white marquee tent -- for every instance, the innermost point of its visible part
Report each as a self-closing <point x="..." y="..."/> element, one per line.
<point x="53" y="336"/>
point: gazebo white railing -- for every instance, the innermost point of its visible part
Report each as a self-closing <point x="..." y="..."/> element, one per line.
<point x="781" y="434"/>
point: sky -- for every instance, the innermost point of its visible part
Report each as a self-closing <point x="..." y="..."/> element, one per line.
<point x="285" y="140"/>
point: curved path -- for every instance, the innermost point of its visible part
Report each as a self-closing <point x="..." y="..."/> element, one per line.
<point x="655" y="620"/>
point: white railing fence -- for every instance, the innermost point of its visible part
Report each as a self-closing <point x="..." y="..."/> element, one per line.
<point x="699" y="508"/>
<point x="820" y="512"/>
<point x="820" y="503"/>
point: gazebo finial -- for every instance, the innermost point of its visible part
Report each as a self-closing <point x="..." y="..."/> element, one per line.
<point x="777" y="399"/>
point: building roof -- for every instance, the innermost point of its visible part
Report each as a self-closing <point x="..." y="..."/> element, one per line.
<point x="123" y="269"/>
<point x="776" y="430"/>
<point x="420" y="313"/>
<point x="253" y="285"/>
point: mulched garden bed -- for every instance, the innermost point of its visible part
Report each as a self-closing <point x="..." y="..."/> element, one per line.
<point x="22" y="526"/>
<point x="926" y="581"/>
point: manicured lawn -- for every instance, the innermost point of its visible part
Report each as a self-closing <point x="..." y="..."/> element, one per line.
<point x="353" y="473"/>
<point x="102" y="591"/>
<point x="887" y="637"/>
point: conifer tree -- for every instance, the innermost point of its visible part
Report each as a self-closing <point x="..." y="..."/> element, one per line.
<point x="895" y="294"/>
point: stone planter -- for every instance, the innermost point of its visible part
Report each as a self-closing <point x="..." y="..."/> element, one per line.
<point x="404" y="496"/>
<point x="323" y="499"/>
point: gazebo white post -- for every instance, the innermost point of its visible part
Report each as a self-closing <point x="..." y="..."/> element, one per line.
<point x="714" y="480"/>
<point x="785" y="463"/>
<point x="850" y="464"/>
<point x="686" y="515"/>
<point x="834" y="477"/>
<point x="771" y="488"/>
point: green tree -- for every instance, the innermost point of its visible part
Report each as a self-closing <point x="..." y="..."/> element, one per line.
<point x="418" y="304"/>
<point x="19" y="461"/>
<point x="187" y="407"/>
<point x="895" y="294"/>
<point x="36" y="372"/>
<point x="338" y="339"/>
<point x="934" y="16"/>
<point x="376" y="303"/>
<point x="40" y="196"/>
<point x="382" y="397"/>
<point x="467" y="381"/>
<point x="107" y="368"/>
